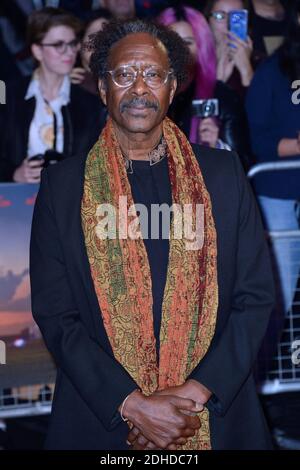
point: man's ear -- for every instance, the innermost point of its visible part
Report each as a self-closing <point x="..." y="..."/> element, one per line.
<point x="102" y="87"/>
<point x="173" y="88"/>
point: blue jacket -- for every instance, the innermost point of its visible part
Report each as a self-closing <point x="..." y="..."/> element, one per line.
<point x="273" y="116"/>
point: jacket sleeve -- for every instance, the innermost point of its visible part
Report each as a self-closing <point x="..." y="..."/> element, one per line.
<point x="230" y="358"/>
<point x="100" y="380"/>
<point x="234" y="126"/>
<point x="264" y="133"/>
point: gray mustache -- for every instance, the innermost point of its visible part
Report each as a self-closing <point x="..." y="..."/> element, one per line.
<point x="138" y="102"/>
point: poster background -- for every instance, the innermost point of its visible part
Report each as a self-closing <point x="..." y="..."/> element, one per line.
<point x="27" y="360"/>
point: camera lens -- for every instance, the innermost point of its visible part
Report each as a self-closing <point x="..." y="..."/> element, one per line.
<point x="209" y="109"/>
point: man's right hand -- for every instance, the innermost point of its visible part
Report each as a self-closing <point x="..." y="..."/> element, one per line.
<point x="159" y="419"/>
<point x="29" y="171"/>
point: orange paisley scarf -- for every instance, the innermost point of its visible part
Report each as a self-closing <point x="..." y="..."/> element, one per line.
<point x="121" y="273"/>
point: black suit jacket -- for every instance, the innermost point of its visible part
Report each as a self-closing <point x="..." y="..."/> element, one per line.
<point x="84" y="118"/>
<point x="91" y="384"/>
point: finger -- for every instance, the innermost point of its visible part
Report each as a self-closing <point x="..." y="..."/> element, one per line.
<point x="232" y="48"/>
<point x="75" y="81"/>
<point x="188" y="413"/>
<point x="80" y="70"/>
<point x="141" y="440"/>
<point x="137" y="446"/>
<point x="193" y="422"/>
<point x="133" y="435"/>
<point x="77" y="78"/>
<point x="250" y="42"/>
<point x="185" y="403"/>
<point x="33" y="175"/>
<point x="77" y="74"/>
<point x="33" y="181"/>
<point x="185" y="435"/>
<point x="187" y="432"/>
<point x="151" y="446"/>
<point x="172" y="447"/>
<point x="36" y="169"/>
<point x="181" y="441"/>
<point x="191" y="413"/>
<point x="233" y="37"/>
<point x="35" y="163"/>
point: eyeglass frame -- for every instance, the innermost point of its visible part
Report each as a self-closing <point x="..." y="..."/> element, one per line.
<point x="137" y="71"/>
<point x="214" y="13"/>
<point x="75" y="42"/>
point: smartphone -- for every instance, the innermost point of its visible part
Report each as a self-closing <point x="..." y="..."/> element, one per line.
<point x="238" y="23"/>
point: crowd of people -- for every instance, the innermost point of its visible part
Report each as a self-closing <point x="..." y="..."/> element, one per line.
<point x="237" y="95"/>
<point x="53" y="110"/>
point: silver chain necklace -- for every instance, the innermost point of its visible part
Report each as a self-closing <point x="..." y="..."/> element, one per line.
<point x="155" y="156"/>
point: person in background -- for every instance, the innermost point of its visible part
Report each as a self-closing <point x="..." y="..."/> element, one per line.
<point x="234" y="65"/>
<point x="120" y="9"/>
<point x="274" y="126"/>
<point x="81" y="75"/>
<point x="268" y="24"/>
<point x="46" y="118"/>
<point x="13" y="22"/>
<point x="150" y="8"/>
<point x="229" y="129"/>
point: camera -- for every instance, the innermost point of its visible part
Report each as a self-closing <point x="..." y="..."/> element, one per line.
<point x="50" y="157"/>
<point x="205" y="108"/>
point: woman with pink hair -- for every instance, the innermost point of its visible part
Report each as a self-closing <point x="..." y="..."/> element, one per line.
<point x="220" y="123"/>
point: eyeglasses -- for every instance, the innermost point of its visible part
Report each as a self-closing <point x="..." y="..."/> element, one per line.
<point x="219" y="15"/>
<point x="154" y="76"/>
<point x="62" y="46"/>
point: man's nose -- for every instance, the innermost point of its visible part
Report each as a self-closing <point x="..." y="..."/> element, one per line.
<point x="139" y="86"/>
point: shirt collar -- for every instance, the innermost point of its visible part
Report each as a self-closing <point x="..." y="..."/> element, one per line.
<point x="34" y="90"/>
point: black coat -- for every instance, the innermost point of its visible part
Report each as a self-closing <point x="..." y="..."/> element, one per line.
<point x="91" y="384"/>
<point x="84" y="118"/>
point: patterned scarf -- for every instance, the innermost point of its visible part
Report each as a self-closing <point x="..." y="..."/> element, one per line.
<point x="122" y="279"/>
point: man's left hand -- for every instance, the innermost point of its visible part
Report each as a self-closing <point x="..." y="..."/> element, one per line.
<point x="190" y="389"/>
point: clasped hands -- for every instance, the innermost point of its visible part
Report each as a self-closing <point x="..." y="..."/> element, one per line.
<point x="167" y="418"/>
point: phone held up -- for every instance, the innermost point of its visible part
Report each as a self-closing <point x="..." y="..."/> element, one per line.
<point x="238" y="23"/>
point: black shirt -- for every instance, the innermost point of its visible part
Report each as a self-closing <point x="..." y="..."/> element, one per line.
<point x="151" y="185"/>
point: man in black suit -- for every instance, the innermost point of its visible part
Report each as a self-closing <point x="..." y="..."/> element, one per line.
<point x="142" y="330"/>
